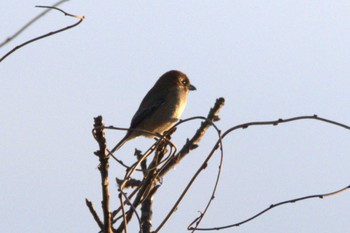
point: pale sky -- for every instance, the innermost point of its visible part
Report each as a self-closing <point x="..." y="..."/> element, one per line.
<point x="268" y="59"/>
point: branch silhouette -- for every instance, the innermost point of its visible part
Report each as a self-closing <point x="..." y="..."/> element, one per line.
<point x="166" y="156"/>
<point x="194" y="224"/>
<point x="81" y="18"/>
<point x="8" y="39"/>
<point x="191" y="144"/>
<point x="267" y="209"/>
<point x="103" y="168"/>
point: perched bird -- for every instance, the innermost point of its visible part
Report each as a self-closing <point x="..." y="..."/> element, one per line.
<point x="161" y="108"/>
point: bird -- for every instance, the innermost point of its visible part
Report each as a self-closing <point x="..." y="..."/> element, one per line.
<point x="161" y="108"/>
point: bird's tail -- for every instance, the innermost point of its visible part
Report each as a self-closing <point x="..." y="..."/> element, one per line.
<point x="120" y="144"/>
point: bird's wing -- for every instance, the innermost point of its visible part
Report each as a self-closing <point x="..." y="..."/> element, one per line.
<point x="145" y="111"/>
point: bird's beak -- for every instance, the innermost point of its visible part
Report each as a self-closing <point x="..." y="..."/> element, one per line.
<point x="192" y="88"/>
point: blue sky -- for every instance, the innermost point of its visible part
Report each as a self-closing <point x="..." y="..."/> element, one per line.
<point x="268" y="59"/>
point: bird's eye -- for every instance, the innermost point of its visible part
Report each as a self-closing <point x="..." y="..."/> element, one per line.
<point x="184" y="82"/>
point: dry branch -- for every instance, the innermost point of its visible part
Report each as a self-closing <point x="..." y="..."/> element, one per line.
<point x="103" y="167"/>
<point x="81" y="18"/>
<point x="268" y="209"/>
<point x="8" y="39"/>
<point x="274" y="123"/>
<point x="94" y="214"/>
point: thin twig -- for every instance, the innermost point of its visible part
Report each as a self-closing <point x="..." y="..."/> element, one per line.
<point x="275" y="122"/>
<point x="8" y="39"/>
<point x="280" y="121"/>
<point x="146" y="185"/>
<point x="94" y="214"/>
<point x="123" y="213"/>
<point x="65" y="13"/>
<point x="81" y="18"/>
<point x="269" y="208"/>
<point x="115" y="212"/>
<point x="215" y="185"/>
<point x="137" y="201"/>
<point x="127" y="200"/>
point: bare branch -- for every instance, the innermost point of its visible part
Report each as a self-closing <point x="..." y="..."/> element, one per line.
<point x="280" y="121"/>
<point x="146" y="209"/>
<point x="65" y="13"/>
<point x="132" y="209"/>
<point x="269" y="208"/>
<point x="144" y="189"/>
<point x="215" y="185"/>
<point x="103" y="167"/>
<point x="191" y="144"/>
<point x="123" y="212"/>
<point x="81" y="18"/>
<point x="94" y="214"/>
<point x="276" y="122"/>
<point x="141" y="190"/>
<point x="8" y="39"/>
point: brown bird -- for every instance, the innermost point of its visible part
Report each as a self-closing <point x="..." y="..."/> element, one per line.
<point x="161" y="108"/>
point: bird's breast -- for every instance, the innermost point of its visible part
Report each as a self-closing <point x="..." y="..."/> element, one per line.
<point x="177" y="103"/>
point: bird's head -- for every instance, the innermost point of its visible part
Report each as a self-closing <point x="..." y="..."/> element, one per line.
<point x="175" y="78"/>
